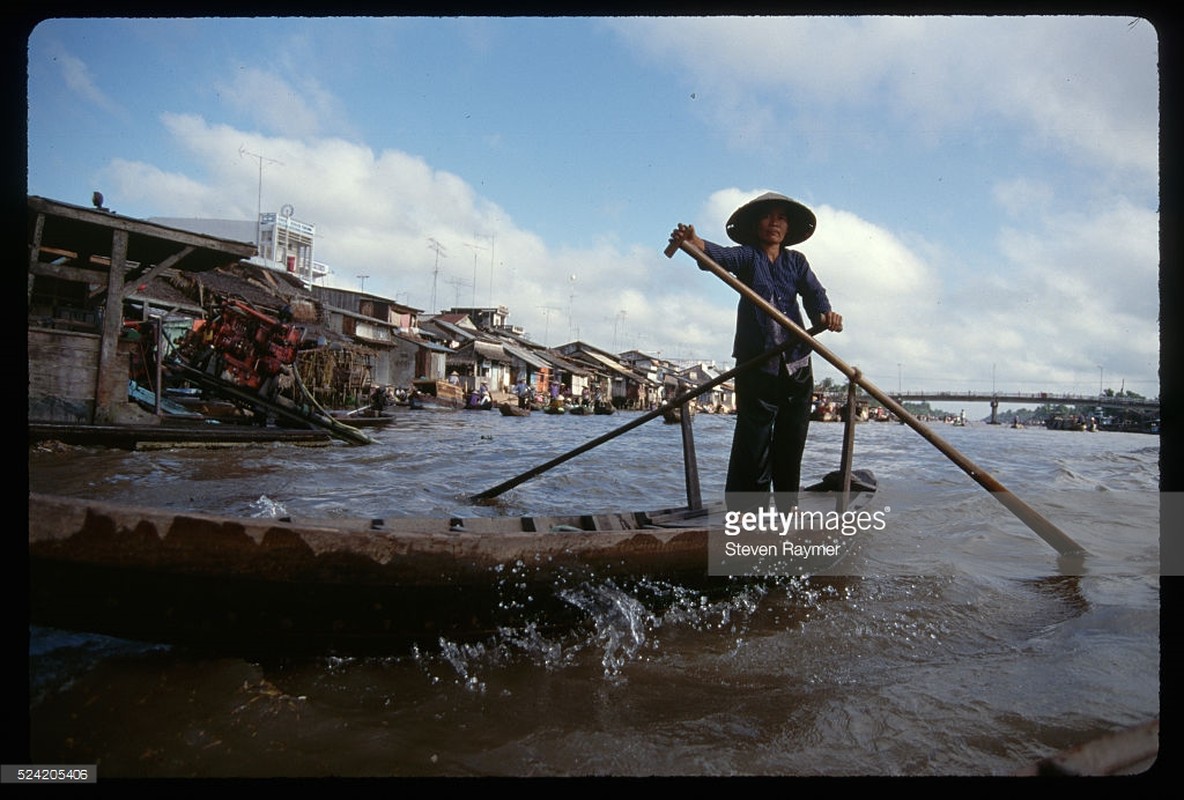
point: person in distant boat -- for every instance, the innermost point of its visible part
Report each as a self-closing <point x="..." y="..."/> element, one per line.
<point x="378" y="399"/>
<point x="773" y="401"/>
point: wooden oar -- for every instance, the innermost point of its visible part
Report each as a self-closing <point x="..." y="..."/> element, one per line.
<point x="1041" y="526"/>
<point x="644" y="418"/>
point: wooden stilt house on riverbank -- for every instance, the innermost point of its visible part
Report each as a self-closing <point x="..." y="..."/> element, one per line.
<point x="89" y="270"/>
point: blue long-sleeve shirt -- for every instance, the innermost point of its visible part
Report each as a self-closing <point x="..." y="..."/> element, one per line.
<point x="780" y="282"/>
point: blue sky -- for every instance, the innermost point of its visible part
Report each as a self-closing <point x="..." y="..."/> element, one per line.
<point x="986" y="187"/>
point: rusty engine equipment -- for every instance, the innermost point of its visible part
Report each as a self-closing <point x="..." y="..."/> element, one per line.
<point x="243" y="346"/>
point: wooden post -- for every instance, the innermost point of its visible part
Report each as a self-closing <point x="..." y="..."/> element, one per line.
<point x="848" y="447"/>
<point x="106" y="392"/>
<point x="690" y="463"/>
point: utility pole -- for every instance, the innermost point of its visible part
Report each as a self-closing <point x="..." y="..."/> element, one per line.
<point x="439" y="248"/>
<point x="259" y="200"/>
<point x="363" y="278"/>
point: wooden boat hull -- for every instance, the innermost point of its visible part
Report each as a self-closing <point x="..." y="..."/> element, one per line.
<point x="509" y="410"/>
<point x="247" y="585"/>
<point x="289" y="587"/>
<point x="132" y="437"/>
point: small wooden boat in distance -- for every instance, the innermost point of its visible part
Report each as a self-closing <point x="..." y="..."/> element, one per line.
<point x="364" y="417"/>
<point x="437" y="394"/>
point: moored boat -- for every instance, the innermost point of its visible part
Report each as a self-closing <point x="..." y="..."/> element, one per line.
<point x="364" y="417"/>
<point x="511" y="410"/>
<point x="603" y="408"/>
<point x="428" y="393"/>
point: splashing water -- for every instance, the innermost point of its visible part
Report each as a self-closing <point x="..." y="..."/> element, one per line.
<point x="266" y="508"/>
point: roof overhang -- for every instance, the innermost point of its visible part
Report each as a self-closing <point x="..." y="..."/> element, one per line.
<point x="89" y="233"/>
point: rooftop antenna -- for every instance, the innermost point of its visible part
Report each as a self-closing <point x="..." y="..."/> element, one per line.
<point x="547" y="321"/>
<point x="242" y="151"/>
<point x="475" y="248"/>
<point x="439" y="248"/>
<point x="571" y="300"/>
<point x="492" y="245"/>
<point x="456" y="284"/>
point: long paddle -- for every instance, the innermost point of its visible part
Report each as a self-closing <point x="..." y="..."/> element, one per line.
<point x="644" y="418"/>
<point x="1041" y="526"/>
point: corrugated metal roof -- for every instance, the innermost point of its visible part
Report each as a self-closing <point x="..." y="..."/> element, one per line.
<point x="489" y="350"/>
<point x="563" y="364"/>
<point x="523" y="355"/>
<point x="614" y="366"/>
<point x="424" y="343"/>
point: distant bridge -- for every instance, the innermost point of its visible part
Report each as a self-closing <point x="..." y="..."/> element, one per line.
<point x="1038" y="398"/>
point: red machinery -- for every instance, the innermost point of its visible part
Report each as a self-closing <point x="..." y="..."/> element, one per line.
<point x="241" y="345"/>
<point x="248" y="356"/>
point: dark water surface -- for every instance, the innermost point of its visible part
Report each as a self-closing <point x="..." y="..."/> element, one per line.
<point x="959" y="645"/>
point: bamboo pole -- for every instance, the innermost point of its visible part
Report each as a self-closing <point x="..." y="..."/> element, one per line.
<point x="1050" y="533"/>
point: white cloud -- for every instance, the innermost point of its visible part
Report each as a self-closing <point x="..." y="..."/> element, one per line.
<point x="1085" y="85"/>
<point x="280" y="106"/>
<point x="145" y="184"/>
<point x="80" y="81"/>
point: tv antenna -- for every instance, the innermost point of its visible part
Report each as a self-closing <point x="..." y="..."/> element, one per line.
<point x="571" y="301"/>
<point x="492" y="245"/>
<point x="475" y="248"/>
<point x="456" y="284"/>
<point x="242" y="151"/>
<point x="547" y="320"/>
<point x="616" y="321"/>
<point x="439" y="248"/>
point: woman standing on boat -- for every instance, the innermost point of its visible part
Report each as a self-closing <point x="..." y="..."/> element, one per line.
<point x="773" y="401"/>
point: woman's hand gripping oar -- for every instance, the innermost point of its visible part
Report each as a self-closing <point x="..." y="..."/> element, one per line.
<point x="684" y="238"/>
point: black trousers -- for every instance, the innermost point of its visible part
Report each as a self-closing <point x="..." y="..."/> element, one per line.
<point x="772" y="419"/>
